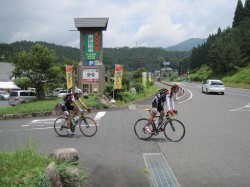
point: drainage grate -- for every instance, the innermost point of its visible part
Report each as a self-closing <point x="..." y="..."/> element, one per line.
<point x="161" y="173"/>
<point x="132" y="107"/>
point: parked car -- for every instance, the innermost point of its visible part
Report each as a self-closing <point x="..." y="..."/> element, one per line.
<point x="62" y="93"/>
<point x="215" y="86"/>
<point x="21" y="96"/>
<point x="4" y="95"/>
<point x="56" y="91"/>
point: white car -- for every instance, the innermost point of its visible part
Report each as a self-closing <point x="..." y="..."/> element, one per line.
<point x="62" y="93"/>
<point x="56" y="91"/>
<point x="4" y="95"/>
<point x="215" y="86"/>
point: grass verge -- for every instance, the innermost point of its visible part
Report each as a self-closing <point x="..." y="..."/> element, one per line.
<point x="26" y="167"/>
<point x="45" y="105"/>
<point x="132" y="98"/>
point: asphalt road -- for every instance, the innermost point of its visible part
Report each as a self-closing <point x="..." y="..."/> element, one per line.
<point x="214" y="152"/>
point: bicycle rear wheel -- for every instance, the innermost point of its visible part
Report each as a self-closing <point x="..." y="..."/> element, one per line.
<point x="174" y="130"/>
<point x="140" y="131"/>
<point x="88" y="126"/>
<point x="60" y="126"/>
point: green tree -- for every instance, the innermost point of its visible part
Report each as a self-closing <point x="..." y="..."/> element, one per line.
<point x="238" y="14"/>
<point x="224" y="52"/>
<point x="247" y="9"/>
<point x="245" y="39"/>
<point x="36" y="65"/>
<point x="23" y="82"/>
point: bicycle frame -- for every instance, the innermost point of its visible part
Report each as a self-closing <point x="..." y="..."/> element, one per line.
<point x="165" y="121"/>
<point x="173" y="129"/>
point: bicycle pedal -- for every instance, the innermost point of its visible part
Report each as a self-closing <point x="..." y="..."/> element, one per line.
<point x="155" y="133"/>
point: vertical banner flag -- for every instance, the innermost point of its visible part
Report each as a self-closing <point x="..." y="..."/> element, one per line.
<point x="144" y="79"/>
<point x="118" y="76"/>
<point x="149" y="76"/>
<point x="69" y="76"/>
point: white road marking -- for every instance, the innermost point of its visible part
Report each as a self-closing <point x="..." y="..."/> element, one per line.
<point x="41" y="123"/>
<point x="244" y="108"/>
<point x="132" y="107"/>
<point x="191" y="95"/>
<point x="43" y="128"/>
<point x="43" y="120"/>
<point x="99" y="115"/>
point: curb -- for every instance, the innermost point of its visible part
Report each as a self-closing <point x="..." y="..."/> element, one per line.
<point x="35" y="114"/>
<point x="27" y="115"/>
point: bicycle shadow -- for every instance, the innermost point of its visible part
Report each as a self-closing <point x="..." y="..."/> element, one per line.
<point x="158" y="139"/>
<point x="72" y="136"/>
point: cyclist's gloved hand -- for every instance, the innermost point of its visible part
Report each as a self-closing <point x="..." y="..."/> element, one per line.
<point x="171" y="112"/>
<point x="81" y="110"/>
<point x="89" y="109"/>
<point x="175" y="111"/>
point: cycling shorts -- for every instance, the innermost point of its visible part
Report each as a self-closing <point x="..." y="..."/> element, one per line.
<point x="157" y="105"/>
<point x="66" y="107"/>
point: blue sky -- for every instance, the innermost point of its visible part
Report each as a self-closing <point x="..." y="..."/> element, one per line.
<point x="149" y="23"/>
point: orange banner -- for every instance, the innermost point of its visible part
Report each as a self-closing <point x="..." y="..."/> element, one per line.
<point x="118" y="76"/>
<point x="69" y="76"/>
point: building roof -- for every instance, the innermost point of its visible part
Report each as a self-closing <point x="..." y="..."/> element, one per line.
<point x="8" y="85"/>
<point x="6" y="71"/>
<point x="85" y="23"/>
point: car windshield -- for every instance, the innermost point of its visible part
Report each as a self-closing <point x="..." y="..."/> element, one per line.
<point x="216" y="83"/>
<point x="4" y="93"/>
<point x="13" y="94"/>
<point x="63" y="91"/>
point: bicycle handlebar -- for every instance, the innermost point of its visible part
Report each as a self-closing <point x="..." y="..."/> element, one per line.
<point x="167" y="114"/>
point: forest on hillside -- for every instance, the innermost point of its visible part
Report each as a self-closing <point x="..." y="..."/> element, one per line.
<point x="131" y="58"/>
<point x="226" y="51"/>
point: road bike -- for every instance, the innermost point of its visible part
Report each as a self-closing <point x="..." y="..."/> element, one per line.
<point x="173" y="129"/>
<point x="87" y="125"/>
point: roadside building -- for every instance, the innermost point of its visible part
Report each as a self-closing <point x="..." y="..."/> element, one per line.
<point x="6" y="82"/>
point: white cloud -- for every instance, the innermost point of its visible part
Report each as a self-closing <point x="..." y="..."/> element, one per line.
<point x="152" y="23"/>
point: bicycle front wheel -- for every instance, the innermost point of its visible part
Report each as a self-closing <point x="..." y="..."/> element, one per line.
<point x="140" y="131"/>
<point x="174" y="130"/>
<point x="60" y="126"/>
<point x="88" y="126"/>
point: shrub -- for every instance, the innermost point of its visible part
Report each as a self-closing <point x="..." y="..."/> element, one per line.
<point x="138" y="86"/>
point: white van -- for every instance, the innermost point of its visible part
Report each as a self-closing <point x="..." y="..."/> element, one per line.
<point x="21" y="96"/>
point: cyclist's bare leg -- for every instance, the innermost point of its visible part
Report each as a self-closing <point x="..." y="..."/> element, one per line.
<point x="66" y="113"/>
<point x="152" y="116"/>
<point x="75" y="111"/>
<point x="162" y="113"/>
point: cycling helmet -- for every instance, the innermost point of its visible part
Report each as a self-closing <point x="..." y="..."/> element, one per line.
<point x="78" y="91"/>
<point x="176" y="85"/>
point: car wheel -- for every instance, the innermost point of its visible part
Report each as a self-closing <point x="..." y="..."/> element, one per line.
<point x="222" y="93"/>
<point x="2" y="98"/>
<point x="206" y="91"/>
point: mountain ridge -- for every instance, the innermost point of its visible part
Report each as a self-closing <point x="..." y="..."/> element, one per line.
<point x="187" y="45"/>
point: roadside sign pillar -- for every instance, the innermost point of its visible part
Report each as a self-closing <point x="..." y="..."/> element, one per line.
<point x="91" y="69"/>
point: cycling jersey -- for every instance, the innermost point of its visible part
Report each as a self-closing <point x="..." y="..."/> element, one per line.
<point x="158" y="101"/>
<point x="67" y="104"/>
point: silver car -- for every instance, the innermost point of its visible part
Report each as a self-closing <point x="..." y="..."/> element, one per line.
<point x="21" y="96"/>
<point x="4" y="95"/>
<point x="215" y="86"/>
